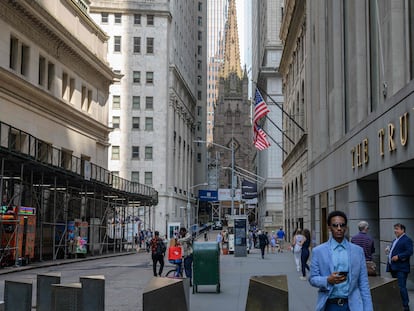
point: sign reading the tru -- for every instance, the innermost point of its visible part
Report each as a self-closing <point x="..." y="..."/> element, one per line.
<point x="387" y="137"/>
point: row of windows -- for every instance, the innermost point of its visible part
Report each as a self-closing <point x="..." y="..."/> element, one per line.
<point x="118" y="18"/>
<point x="19" y="61"/>
<point x="149" y="77"/>
<point x="116" y="151"/>
<point x="136" y="44"/>
<point x="136" y="102"/>
<point x="148" y="126"/>
<point x="135" y="177"/>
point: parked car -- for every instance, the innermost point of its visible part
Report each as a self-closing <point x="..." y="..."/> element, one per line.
<point x="217" y="225"/>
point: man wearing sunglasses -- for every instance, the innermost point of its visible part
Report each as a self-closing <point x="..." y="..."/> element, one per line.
<point x="338" y="269"/>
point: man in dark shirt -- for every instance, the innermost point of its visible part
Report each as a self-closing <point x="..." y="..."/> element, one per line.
<point x="364" y="240"/>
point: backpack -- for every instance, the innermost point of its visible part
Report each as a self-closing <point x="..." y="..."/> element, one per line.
<point x="161" y="248"/>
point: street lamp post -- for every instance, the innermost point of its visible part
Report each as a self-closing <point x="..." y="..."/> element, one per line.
<point x="232" y="167"/>
<point x="189" y="203"/>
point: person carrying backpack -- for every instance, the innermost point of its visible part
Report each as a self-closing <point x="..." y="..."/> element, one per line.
<point x="158" y="249"/>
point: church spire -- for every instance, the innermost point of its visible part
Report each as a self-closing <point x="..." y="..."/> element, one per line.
<point x="232" y="51"/>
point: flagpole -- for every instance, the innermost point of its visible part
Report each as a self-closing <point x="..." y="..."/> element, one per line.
<point x="275" y="142"/>
<point x="278" y="105"/>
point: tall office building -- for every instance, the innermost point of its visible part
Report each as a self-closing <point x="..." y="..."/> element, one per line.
<point x="158" y="108"/>
<point x="266" y="55"/>
<point x="216" y="21"/>
<point x="350" y="67"/>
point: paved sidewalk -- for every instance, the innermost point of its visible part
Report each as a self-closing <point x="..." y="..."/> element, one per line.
<point x="235" y="275"/>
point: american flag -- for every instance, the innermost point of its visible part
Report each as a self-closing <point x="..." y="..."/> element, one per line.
<point x="260" y="107"/>
<point x="260" y="140"/>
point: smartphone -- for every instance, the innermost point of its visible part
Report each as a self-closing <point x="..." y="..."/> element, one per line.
<point x="345" y="273"/>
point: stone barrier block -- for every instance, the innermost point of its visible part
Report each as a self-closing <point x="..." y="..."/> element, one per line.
<point x="44" y="290"/>
<point x="66" y="297"/>
<point x="268" y="293"/>
<point x="385" y="294"/>
<point x="18" y="295"/>
<point x="166" y="294"/>
<point x="93" y="292"/>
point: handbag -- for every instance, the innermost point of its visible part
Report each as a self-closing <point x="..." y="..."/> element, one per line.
<point x="175" y="253"/>
<point x="371" y="268"/>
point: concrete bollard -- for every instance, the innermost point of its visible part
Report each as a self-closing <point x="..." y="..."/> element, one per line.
<point x="93" y="292"/>
<point x="44" y="290"/>
<point x="18" y="295"/>
<point x="166" y="294"/>
<point x="385" y="294"/>
<point x="66" y="297"/>
<point x="268" y="292"/>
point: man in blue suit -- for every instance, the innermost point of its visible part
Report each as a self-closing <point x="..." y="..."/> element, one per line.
<point x="399" y="261"/>
<point x="338" y="269"/>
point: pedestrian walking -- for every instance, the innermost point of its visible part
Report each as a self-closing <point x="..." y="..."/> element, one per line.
<point x="186" y="242"/>
<point x="263" y="242"/>
<point x="399" y="261"/>
<point x="158" y="249"/>
<point x="338" y="269"/>
<point x="297" y="242"/>
<point x="304" y="255"/>
<point x="273" y="242"/>
<point x="367" y="243"/>
<point x="281" y="239"/>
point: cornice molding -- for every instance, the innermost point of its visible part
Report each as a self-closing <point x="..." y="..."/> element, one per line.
<point x="24" y="94"/>
<point x="29" y="18"/>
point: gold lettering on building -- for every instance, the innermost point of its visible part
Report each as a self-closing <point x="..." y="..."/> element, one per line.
<point x="391" y="142"/>
<point x="365" y="150"/>
<point x="359" y="154"/>
<point x="381" y="134"/>
<point x="404" y="129"/>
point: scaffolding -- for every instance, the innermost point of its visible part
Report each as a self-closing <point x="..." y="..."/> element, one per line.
<point x="81" y="208"/>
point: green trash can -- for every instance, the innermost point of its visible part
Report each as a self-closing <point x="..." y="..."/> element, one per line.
<point x="206" y="265"/>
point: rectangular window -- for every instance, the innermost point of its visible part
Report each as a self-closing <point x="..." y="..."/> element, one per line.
<point x="199" y="93"/>
<point x="84" y="98"/>
<point x="42" y="70"/>
<point x="115" y="152"/>
<point x="199" y="50"/>
<point x="117" y="44"/>
<point x="149" y="103"/>
<point x="24" y="66"/>
<point x="137" y="19"/>
<point x="14" y="52"/>
<point x="65" y="86"/>
<point x="43" y="151"/>
<point x="200" y="35"/>
<point x="50" y="76"/>
<point x="149" y="126"/>
<point x="71" y="88"/>
<point x="136" y="76"/>
<point x="148" y="178"/>
<point x="150" y="20"/>
<point x="116" y="122"/>
<point x="150" y="45"/>
<point x="104" y="18"/>
<point x="116" y="102"/>
<point x="66" y="159"/>
<point x="149" y="78"/>
<point x="137" y="44"/>
<point x="136" y="102"/>
<point x="135" y="176"/>
<point x="135" y="152"/>
<point x="200" y="21"/>
<point x="118" y="18"/>
<point x="148" y="153"/>
<point x="200" y="6"/>
<point x="135" y="123"/>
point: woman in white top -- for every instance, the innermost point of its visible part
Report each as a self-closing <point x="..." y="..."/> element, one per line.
<point x="297" y="242"/>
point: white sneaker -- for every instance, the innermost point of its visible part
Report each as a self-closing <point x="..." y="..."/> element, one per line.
<point x="303" y="278"/>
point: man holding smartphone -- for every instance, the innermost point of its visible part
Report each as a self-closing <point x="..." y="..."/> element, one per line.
<point x="338" y="269"/>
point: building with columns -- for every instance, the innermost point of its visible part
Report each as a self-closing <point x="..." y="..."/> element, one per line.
<point x="358" y="92"/>
<point x="267" y="52"/>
